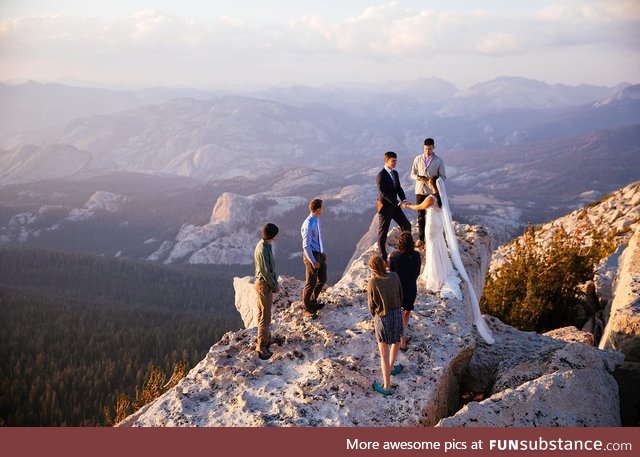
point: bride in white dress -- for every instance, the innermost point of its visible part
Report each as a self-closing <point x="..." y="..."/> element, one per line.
<point x="438" y="274"/>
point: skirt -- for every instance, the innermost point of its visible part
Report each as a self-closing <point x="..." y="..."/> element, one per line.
<point x="408" y="302"/>
<point x="388" y="328"/>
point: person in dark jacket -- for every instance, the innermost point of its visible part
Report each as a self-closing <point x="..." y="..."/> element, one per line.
<point x="391" y="197"/>
<point x="406" y="262"/>
<point x="384" y="294"/>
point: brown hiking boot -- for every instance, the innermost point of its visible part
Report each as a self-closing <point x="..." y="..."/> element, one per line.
<point x="310" y="314"/>
<point x="265" y="354"/>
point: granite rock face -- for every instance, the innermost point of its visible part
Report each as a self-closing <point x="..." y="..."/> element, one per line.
<point x="246" y="297"/>
<point x="535" y="380"/>
<point x="559" y="399"/>
<point x="322" y="374"/>
<point x="230" y="236"/>
<point x="622" y="331"/>
<point x="620" y="211"/>
<point x="571" y="335"/>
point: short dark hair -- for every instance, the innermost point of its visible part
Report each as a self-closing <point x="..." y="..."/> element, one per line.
<point x="390" y="155"/>
<point x="429" y="142"/>
<point x="315" y="204"/>
<point x="269" y="231"/>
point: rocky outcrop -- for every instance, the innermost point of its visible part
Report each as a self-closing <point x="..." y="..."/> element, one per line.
<point x="229" y="237"/>
<point x="619" y="210"/>
<point x="246" y="297"/>
<point x="618" y="213"/>
<point x="100" y="200"/>
<point x="559" y="399"/>
<point x="23" y="226"/>
<point x="535" y="380"/>
<point x="522" y="372"/>
<point x="322" y="375"/>
<point x="571" y="335"/>
<point x="622" y="331"/>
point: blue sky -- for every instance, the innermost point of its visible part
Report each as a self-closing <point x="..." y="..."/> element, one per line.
<point x="209" y="43"/>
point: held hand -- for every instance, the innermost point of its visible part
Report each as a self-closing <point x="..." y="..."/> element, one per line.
<point x="316" y="265"/>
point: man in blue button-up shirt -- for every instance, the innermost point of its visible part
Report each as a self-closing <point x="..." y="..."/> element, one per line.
<point x="315" y="259"/>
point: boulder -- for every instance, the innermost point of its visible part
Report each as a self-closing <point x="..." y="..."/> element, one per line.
<point x="571" y="356"/>
<point x="583" y="397"/>
<point x="523" y="372"/>
<point x="571" y="335"/>
<point x="246" y="298"/>
<point x="509" y="343"/>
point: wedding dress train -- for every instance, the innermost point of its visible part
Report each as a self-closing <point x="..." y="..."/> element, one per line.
<point x="438" y="273"/>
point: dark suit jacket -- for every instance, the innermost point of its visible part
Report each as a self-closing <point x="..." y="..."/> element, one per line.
<point x="388" y="194"/>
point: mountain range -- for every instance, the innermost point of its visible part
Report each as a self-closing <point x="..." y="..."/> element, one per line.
<point x="516" y="150"/>
<point x="181" y="176"/>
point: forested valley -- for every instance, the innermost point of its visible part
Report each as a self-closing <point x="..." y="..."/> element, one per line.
<point x="77" y="330"/>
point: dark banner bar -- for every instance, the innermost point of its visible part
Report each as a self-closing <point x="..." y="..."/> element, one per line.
<point x="324" y="442"/>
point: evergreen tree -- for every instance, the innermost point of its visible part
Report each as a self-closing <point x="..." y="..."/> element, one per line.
<point x="538" y="286"/>
<point x="81" y="332"/>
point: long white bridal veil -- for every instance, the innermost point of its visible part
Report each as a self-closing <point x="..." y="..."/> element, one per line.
<point x="452" y="242"/>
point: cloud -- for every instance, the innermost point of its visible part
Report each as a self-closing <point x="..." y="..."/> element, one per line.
<point x="599" y="12"/>
<point x="384" y="33"/>
<point x="386" y="30"/>
<point x="391" y="31"/>
<point x="499" y="43"/>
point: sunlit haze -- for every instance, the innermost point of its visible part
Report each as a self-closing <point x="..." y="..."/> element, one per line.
<point x="204" y="44"/>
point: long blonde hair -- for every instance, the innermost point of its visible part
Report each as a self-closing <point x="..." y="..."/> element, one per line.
<point x="377" y="266"/>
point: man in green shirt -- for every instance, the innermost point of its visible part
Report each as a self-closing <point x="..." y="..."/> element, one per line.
<point x="266" y="284"/>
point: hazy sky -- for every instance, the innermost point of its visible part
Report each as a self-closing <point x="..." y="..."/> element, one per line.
<point x="206" y="43"/>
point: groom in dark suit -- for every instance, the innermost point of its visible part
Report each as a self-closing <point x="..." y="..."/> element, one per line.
<point x="390" y="197"/>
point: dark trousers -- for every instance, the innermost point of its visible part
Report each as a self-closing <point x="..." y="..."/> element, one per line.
<point x="315" y="279"/>
<point x="384" y="222"/>
<point x="421" y="216"/>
